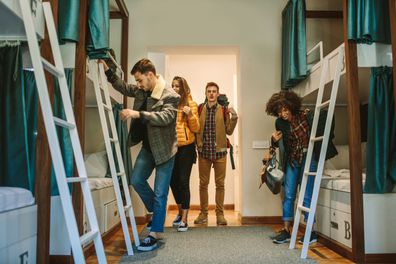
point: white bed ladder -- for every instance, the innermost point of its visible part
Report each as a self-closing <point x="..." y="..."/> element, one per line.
<point x="330" y="104"/>
<point x="50" y="121"/>
<point x="97" y="74"/>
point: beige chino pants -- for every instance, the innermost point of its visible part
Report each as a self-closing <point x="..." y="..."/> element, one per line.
<point x="204" y="166"/>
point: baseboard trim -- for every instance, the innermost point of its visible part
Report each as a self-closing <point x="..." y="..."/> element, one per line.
<point x="336" y="246"/>
<point x="331" y="244"/>
<point x="61" y="259"/>
<point x="90" y="249"/>
<point x="381" y="258"/>
<point x="198" y="207"/>
<point x="261" y="220"/>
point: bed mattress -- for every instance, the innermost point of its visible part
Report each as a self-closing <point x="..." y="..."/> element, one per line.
<point x="99" y="183"/>
<point x="13" y="198"/>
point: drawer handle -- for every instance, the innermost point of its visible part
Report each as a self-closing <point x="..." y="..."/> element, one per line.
<point x="334" y="225"/>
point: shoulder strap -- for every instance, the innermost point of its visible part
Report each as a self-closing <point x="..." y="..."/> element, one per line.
<point x="200" y="107"/>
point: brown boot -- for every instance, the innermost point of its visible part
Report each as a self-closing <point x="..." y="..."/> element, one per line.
<point x="221" y="220"/>
<point x="201" y="219"/>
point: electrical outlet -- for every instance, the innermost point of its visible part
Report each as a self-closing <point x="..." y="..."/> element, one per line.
<point x="261" y="144"/>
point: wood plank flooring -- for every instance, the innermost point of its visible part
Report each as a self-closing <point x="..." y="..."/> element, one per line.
<point x="115" y="246"/>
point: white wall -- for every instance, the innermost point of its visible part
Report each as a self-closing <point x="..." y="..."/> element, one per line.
<point x="254" y="27"/>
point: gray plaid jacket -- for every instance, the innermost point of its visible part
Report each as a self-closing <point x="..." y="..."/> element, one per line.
<point x="160" y="117"/>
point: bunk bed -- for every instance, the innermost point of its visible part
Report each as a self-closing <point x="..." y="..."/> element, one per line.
<point x="342" y="207"/>
<point x="18" y="208"/>
<point x="18" y="221"/>
<point x="10" y="11"/>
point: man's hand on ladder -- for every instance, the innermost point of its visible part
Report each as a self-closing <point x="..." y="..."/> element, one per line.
<point x="105" y="66"/>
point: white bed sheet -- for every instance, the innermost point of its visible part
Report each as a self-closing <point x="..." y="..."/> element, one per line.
<point x="99" y="183"/>
<point x="12" y="198"/>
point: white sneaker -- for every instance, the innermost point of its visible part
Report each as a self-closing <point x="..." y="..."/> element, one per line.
<point x="177" y="221"/>
<point x="183" y="227"/>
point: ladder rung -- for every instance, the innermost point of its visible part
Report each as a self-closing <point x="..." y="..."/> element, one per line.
<point x="323" y="105"/>
<point x="317" y="138"/>
<point x="108" y="108"/>
<point x="310" y="173"/>
<point x="127" y="207"/>
<point x="113" y="140"/>
<point x="120" y="173"/>
<point x="51" y="68"/>
<point x="63" y="123"/>
<point x="303" y="208"/>
<point x="76" y="179"/>
<point x="88" y="236"/>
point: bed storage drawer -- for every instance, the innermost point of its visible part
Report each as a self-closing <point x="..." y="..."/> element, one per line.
<point x="17" y="225"/>
<point x="323" y="220"/>
<point x="324" y="197"/>
<point x="341" y="227"/>
<point x="99" y="216"/>
<point x="103" y="196"/>
<point x="112" y="216"/>
<point x="341" y="201"/>
<point x="23" y="251"/>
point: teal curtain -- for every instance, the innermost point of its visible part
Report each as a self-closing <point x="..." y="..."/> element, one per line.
<point x="31" y="114"/>
<point x="122" y="132"/>
<point x="294" y="44"/>
<point x="368" y="21"/>
<point x="18" y="112"/>
<point x="99" y="26"/>
<point x="68" y="20"/>
<point x="381" y="133"/>
<point x="63" y="134"/>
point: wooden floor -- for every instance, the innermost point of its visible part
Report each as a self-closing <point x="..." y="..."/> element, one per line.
<point x="115" y="246"/>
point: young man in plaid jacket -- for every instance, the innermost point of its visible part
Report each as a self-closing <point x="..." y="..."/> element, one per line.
<point x="154" y="124"/>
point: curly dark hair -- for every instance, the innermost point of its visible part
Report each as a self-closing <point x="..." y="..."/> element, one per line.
<point x="284" y="99"/>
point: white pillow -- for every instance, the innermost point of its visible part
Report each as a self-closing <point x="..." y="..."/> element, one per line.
<point x="96" y="164"/>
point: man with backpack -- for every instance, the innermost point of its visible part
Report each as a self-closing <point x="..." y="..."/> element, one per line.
<point x="216" y="121"/>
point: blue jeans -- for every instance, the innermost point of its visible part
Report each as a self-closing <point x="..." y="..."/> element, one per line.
<point x="293" y="175"/>
<point x="154" y="200"/>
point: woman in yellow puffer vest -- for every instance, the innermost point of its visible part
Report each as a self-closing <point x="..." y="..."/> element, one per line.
<point x="187" y="124"/>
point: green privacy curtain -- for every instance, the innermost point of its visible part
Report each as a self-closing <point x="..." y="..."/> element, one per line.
<point x="294" y="44"/>
<point x="368" y="21"/>
<point x="18" y="112"/>
<point x="31" y="114"/>
<point x="68" y="20"/>
<point x="381" y="133"/>
<point x="63" y="134"/>
<point x="122" y="133"/>
<point x="99" y="26"/>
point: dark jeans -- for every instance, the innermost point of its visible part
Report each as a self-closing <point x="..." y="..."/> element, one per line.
<point x="154" y="200"/>
<point x="180" y="182"/>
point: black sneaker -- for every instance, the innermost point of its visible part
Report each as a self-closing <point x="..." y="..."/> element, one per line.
<point x="148" y="244"/>
<point x="177" y="221"/>
<point x="148" y="226"/>
<point x="274" y="235"/>
<point x="314" y="238"/>
<point x="183" y="227"/>
<point x="282" y="237"/>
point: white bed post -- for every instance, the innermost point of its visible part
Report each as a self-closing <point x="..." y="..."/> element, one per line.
<point x="97" y="74"/>
<point x="330" y="104"/>
<point x="50" y="121"/>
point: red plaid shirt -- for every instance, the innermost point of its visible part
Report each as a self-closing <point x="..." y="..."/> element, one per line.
<point x="209" y="136"/>
<point x="299" y="137"/>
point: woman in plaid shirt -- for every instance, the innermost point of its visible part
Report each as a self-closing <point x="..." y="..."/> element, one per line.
<point x="292" y="131"/>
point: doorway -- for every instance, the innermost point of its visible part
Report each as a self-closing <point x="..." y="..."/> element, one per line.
<point x="200" y="66"/>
